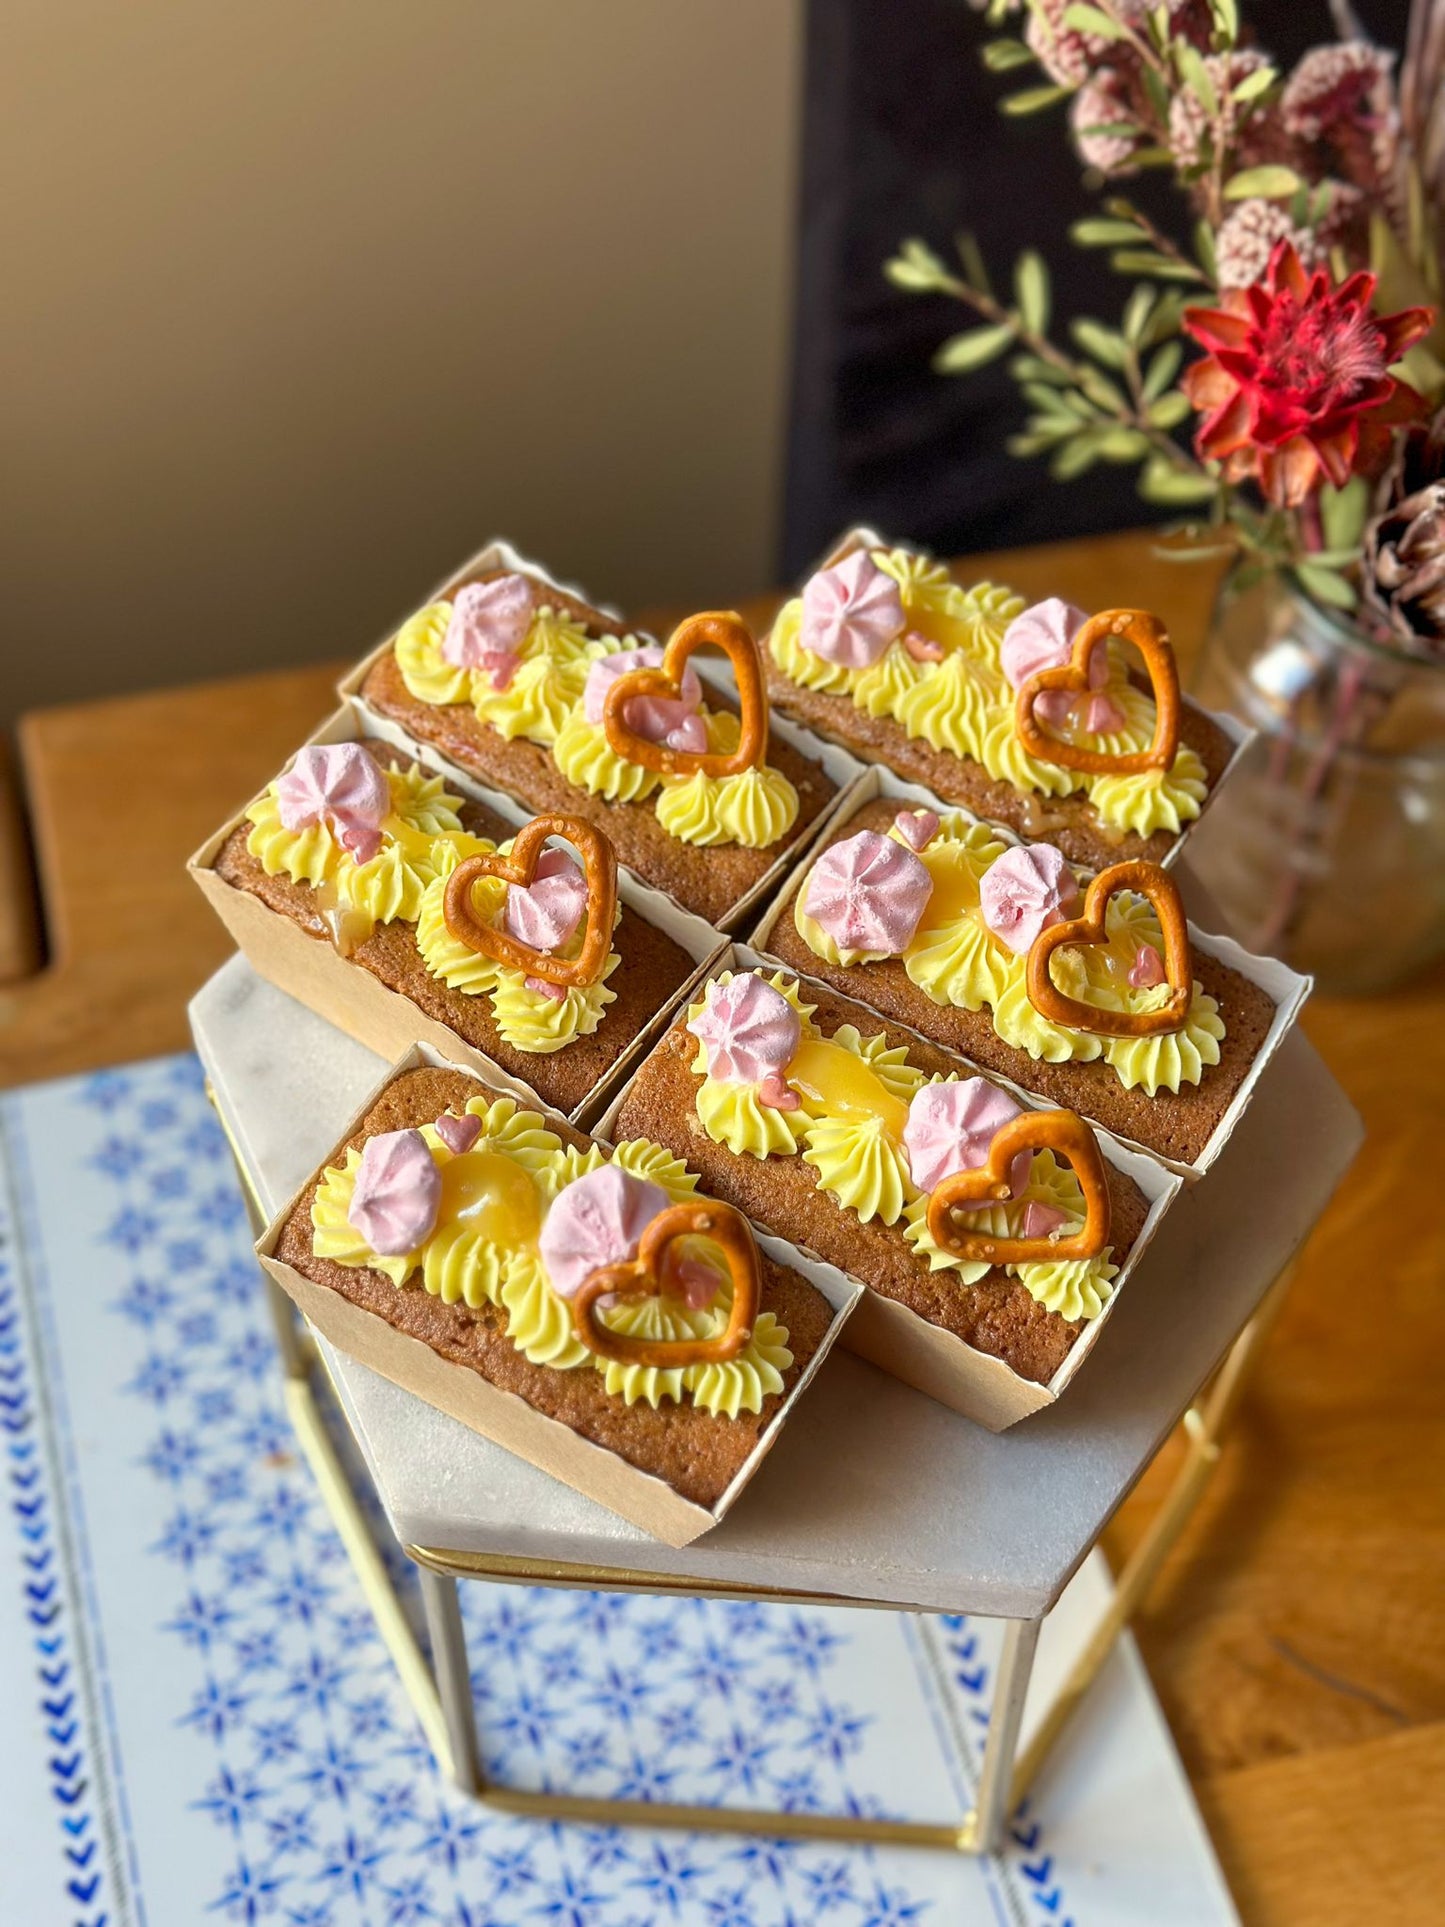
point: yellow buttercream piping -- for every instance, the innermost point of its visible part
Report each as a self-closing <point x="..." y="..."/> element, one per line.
<point x="585" y="757"/>
<point x="882" y="690"/>
<point x="531" y="1021"/>
<point x="535" y="703"/>
<point x="948" y="707"/>
<point x="1156" y="800"/>
<point x="752" y="809"/>
<point x="860" y="1165"/>
<point x="1019" y="1024"/>
<point x="539" y="1323"/>
<point x="1075" y="1288"/>
<point x="561" y="639"/>
<point x="743" y="1383"/>
<point x="1178" y="1057"/>
<point x="930" y="596"/>
<point x="732" y="1115"/>
<point x="428" y="676"/>
<point x="658" y="1165"/>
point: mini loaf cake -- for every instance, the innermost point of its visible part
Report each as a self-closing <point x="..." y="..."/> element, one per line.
<point x="1032" y="717"/>
<point x="573" y="1276"/>
<point x="854" y="1143"/>
<point x="360" y="847"/>
<point x="541" y="696"/>
<point x="935" y="922"/>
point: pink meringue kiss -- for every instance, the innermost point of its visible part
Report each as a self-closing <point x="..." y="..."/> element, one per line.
<point x="851" y="612"/>
<point x="458" y="1134"/>
<point x="596" y="1220"/>
<point x="950" y="1128"/>
<point x="544" y="913"/>
<point x="1147" y="970"/>
<point x="661" y="719"/>
<point x="398" y="1193"/>
<point x="868" y="893"/>
<point x="917" y="827"/>
<point x="1042" y="637"/>
<point x="748" y="1030"/>
<point x="488" y="623"/>
<point x="1024" y="891"/>
<point x="340" y="786"/>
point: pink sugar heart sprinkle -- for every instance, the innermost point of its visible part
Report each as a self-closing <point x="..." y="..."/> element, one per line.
<point x="776" y="1095"/>
<point x="917" y="827"/>
<point x="1147" y="970"/>
<point x="1042" y="1220"/>
<point x="922" y="648"/>
<point x="458" y="1134"/>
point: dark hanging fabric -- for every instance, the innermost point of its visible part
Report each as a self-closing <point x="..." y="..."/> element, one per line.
<point x="902" y="136"/>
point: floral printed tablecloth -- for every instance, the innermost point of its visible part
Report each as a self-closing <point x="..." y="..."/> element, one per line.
<point x="201" y="1724"/>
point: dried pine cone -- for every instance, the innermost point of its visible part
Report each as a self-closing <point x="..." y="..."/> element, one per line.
<point x="1403" y="569"/>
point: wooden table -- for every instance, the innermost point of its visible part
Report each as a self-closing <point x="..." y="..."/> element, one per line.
<point x="1295" y="1637"/>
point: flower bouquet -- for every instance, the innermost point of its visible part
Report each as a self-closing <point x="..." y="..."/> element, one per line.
<point x="1305" y="442"/>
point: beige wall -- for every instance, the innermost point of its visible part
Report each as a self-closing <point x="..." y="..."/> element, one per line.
<point x="303" y="299"/>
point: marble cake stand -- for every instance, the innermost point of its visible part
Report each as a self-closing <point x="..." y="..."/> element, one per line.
<point x="874" y="1495"/>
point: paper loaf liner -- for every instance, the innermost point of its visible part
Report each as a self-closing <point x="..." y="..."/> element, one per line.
<point x="838" y="764"/>
<point x="813" y="742"/>
<point x="1286" y="987"/>
<point x="908" y="1347"/>
<point x="642" y="1498"/>
<point x="314" y="972"/>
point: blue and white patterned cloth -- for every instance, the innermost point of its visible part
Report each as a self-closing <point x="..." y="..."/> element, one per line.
<point x="200" y="1720"/>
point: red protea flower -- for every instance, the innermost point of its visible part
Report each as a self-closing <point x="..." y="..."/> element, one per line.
<point x="1296" y="384"/>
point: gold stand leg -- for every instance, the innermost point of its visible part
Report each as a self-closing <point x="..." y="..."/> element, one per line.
<point x="995" y="1800"/>
<point x="443" y="1699"/>
<point x="453" y="1676"/>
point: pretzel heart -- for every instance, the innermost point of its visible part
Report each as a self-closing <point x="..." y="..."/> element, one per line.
<point x="1148" y="636"/>
<point x="1163" y="893"/>
<point x="723" y="631"/>
<point x="599" y="865"/>
<point x="642" y="1278"/>
<point x="1061" y="1132"/>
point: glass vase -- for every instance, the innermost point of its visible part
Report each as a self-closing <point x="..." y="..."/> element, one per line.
<point x="1327" y="845"/>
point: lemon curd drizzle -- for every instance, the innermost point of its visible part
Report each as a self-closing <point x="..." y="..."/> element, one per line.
<point x="955" y="886"/>
<point x="494" y="1195"/>
<point x="838" y="1082"/>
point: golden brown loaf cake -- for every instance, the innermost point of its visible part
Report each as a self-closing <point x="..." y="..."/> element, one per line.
<point x="1177" y="1124"/>
<point x="653" y="968"/>
<point x="997" y="1315"/>
<point x="711" y="882"/>
<point x="695" y="1452"/>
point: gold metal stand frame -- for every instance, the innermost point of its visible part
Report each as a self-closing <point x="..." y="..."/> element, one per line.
<point x="440" y="1689"/>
